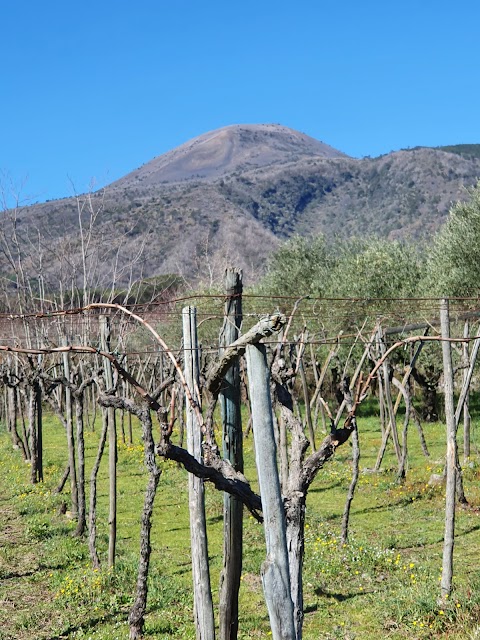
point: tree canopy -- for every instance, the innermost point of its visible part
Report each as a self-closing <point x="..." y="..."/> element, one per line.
<point x="301" y="266"/>
<point x="453" y="267"/>
<point x="366" y="268"/>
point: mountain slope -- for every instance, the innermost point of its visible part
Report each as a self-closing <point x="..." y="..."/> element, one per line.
<point x="223" y="151"/>
<point x="466" y="150"/>
<point x="232" y="195"/>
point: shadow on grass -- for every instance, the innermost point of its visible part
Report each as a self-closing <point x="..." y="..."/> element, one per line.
<point x="182" y="568"/>
<point x="390" y="506"/>
<point x="153" y="632"/>
<point x="339" y="597"/>
<point x="12" y="575"/>
<point x="177" y="529"/>
<point x="333" y="517"/>
<point x="214" y="519"/>
<point x="438" y="541"/>
<point x="334" y="485"/>
<point x="86" y="624"/>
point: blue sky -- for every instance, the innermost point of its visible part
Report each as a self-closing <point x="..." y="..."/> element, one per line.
<point x="91" y="90"/>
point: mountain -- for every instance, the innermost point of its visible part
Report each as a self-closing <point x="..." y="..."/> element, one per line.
<point x="223" y="151"/>
<point x="466" y="150"/>
<point x="234" y="194"/>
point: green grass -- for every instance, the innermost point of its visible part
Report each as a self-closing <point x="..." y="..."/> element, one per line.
<point x="383" y="584"/>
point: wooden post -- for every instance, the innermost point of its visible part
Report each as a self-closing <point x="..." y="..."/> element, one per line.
<point x="112" y="444"/>
<point x="233" y="452"/>
<point x="203" y="605"/>
<point x="275" y="569"/>
<point x="447" y="564"/>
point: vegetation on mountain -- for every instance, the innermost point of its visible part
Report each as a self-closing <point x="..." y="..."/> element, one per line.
<point x="466" y="150"/>
<point x="232" y="196"/>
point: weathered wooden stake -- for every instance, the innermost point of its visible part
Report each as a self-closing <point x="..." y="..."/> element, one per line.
<point x="233" y="452"/>
<point x="275" y="569"/>
<point x="203" y="605"/>
<point x="447" y="564"/>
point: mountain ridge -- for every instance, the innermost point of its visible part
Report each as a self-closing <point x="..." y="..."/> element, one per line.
<point x="234" y="194"/>
<point x="224" y="150"/>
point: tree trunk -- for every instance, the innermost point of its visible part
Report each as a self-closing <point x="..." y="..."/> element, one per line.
<point x="295" y="535"/>
<point x="112" y="445"/>
<point x="308" y="412"/>
<point x="136" y="617"/>
<point x="466" y="412"/>
<point x="70" y="438"/>
<point x="283" y="451"/>
<point x="32" y="428"/>
<point x="63" y="481"/>
<point x="352" y="487"/>
<point x="92" y="520"/>
<point x="403" y="462"/>
<point x="389" y="403"/>
<point x="355" y="460"/>
<point x="38" y="405"/>
<point x="12" y="414"/>
<point x="26" y="439"/>
<point x="421" y="435"/>
<point x="81" y="523"/>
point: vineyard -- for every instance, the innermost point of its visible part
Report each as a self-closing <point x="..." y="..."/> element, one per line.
<point x="235" y="465"/>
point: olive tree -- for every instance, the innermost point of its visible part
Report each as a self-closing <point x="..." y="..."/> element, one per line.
<point x="453" y="266"/>
<point x="376" y="268"/>
<point x="300" y="266"/>
<point x="358" y="268"/>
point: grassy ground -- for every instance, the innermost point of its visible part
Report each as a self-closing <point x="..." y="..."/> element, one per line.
<point x="384" y="584"/>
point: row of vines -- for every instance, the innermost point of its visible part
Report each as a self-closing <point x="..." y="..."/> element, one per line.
<point x="298" y="375"/>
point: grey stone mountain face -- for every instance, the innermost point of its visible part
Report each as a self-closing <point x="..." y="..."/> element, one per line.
<point x="223" y="151"/>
